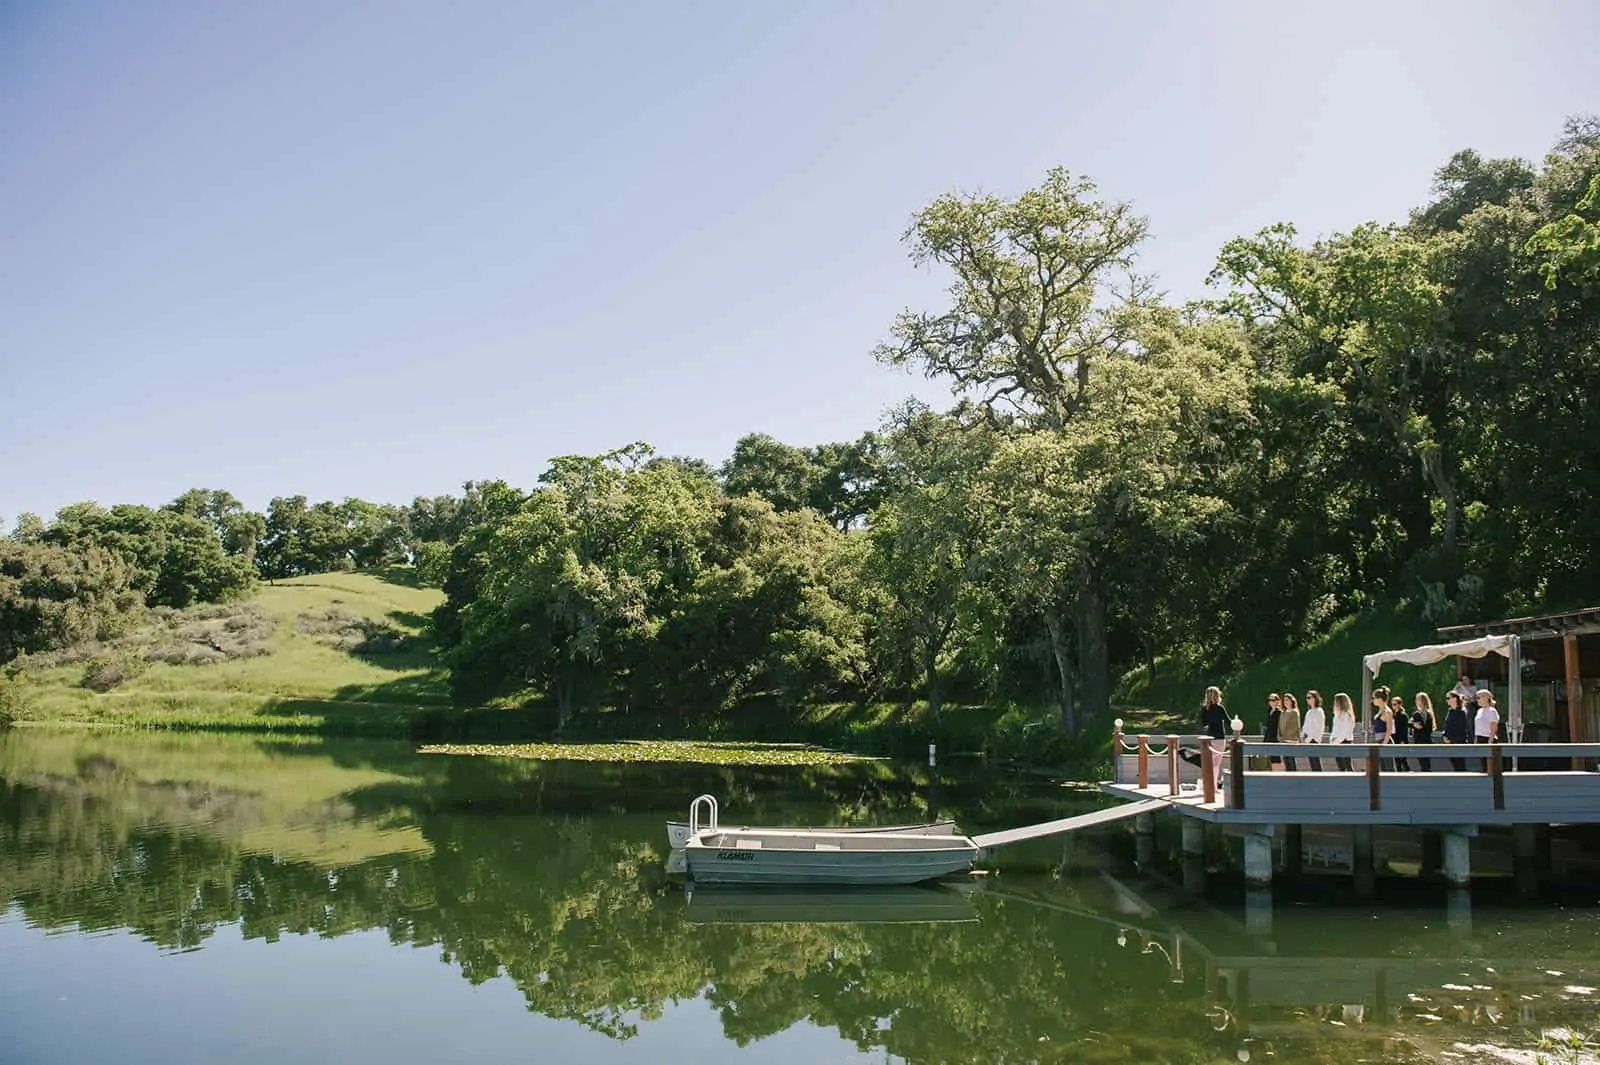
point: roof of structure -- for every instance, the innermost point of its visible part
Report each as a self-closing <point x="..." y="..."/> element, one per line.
<point x="1571" y="621"/>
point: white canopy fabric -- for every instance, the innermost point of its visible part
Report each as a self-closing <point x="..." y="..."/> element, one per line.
<point x="1438" y="652"/>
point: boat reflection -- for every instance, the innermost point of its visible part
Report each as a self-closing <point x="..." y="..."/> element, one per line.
<point x="849" y="905"/>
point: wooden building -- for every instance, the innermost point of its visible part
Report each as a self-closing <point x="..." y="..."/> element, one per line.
<point x="1560" y="702"/>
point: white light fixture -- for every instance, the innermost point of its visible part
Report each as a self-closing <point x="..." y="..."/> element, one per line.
<point x="1238" y="725"/>
<point x="1117" y="724"/>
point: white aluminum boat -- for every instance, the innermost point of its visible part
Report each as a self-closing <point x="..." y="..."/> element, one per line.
<point x="757" y="856"/>
<point x="678" y="831"/>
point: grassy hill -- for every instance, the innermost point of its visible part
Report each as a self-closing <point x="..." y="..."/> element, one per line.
<point x="348" y="653"/>
<point x="336" y="652"/>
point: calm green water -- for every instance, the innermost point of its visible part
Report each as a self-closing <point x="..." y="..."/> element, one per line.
<point x="181" y="899"/>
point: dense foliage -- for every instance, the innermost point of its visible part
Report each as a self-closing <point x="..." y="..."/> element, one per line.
<point x="1394" y="412"/>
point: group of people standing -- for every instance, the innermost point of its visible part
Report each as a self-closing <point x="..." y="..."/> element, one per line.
<point x="1390" y="721"/>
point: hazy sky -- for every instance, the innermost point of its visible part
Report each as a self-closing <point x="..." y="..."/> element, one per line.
<point x="380" y="248"/>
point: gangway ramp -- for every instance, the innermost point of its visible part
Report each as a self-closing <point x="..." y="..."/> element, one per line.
<point x="991" y="840"/>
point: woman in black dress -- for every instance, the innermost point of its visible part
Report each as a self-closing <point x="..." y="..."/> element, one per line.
<point x="1213" y="715"/>
<point x="1457" y="727"/>
<point x="1213" y="724"/>
<point x="1399" y="729"/>
<point x="1422" y="725"/>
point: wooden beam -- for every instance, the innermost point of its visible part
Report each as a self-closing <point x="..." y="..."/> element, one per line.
<point x="1569" y="645"/>
<point x="1374" y="791"/>
<point x="1174" y="765"/>
<point x="1208" y="770"/>
<point x="1144" y="761"/>
<point x="1236" y="774"/>
<point x="1497" y="780"/>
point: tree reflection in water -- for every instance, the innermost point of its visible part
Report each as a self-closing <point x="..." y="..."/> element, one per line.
<point x="552" y="876"/>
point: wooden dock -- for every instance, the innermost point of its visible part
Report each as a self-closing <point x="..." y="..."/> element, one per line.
<point x="1497" y="786"/>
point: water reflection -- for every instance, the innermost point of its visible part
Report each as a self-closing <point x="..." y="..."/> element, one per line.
<point x="550" y="879"/>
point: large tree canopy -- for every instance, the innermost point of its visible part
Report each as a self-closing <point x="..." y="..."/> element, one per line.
<point x="1401" y="410"/>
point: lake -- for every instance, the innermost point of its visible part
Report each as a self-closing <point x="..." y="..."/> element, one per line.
<point x="175" y="898"/>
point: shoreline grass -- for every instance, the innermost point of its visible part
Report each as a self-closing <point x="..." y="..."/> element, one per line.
<point x="696" y="752"/>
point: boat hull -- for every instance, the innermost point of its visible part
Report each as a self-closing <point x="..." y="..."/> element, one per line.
<point x="755" y="859"/>
<point x="678" y="831"/>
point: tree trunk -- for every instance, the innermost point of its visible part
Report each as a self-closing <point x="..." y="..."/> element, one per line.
<point x="930" y="669"/>
<point x="1093" y="654"/>
<point x="564" y="702"/>
<point x="1058" y="645"/>
<point x="1433" y="464"/>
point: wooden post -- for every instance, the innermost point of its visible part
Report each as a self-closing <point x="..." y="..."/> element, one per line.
<point x="1497" y="780"/>
<point x="1569" y="647"/>
<point x="1174" y="766"/>
<point x="1116" y="751"/>
<point x="1236" y="774"/>
<point x="1208" y="771"/>
<point x="1144" y="761"/>
<point x="1373" y="789"/>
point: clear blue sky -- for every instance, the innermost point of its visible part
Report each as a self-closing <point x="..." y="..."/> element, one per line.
<point x="380" y="248"/>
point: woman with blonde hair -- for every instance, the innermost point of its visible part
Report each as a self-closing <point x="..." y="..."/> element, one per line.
<point x="1289" y="727"/>
<point x="1344" y="726"/>
<point x="1213" y="724"/>
<point x="1213" y="715"/>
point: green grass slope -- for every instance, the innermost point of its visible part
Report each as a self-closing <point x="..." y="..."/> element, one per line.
<point x="1169" y="698"/>
<point x="336" y="652"/>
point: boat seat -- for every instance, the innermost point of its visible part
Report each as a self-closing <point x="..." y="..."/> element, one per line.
<point x="827" y="846"/>
<point x="748" y="845"/>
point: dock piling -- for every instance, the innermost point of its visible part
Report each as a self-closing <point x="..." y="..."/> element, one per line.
<point x="1432" y="853"/>
<point x="1525" y="859"/>
<point x="1361" y="863"/>
<point x="1194" y="838"/>
<point x="1258" y="911"/>
<point x="1144" y="840"/>
<point x="1257" y="858"/>
<point x="1457" y="858"/>
<point x="1293" y="849"/>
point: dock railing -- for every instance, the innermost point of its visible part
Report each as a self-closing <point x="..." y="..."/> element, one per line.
<point x="1501" y="781"/>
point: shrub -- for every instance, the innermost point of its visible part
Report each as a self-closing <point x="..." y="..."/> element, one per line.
<point x="107" y="671"/>
<point x="13" y="699"/>
<point x="350" y="632"/>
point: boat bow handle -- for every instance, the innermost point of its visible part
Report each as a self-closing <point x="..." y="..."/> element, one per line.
<point x="710" y="804"/>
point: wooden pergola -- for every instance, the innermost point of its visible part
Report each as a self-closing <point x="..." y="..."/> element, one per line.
<point x="1553" y="647"/>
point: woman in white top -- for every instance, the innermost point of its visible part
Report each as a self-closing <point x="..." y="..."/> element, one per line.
<point x="1344" y="726"/>
<point x="1313" y="724"/>
<point x="1486" y="723"/>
